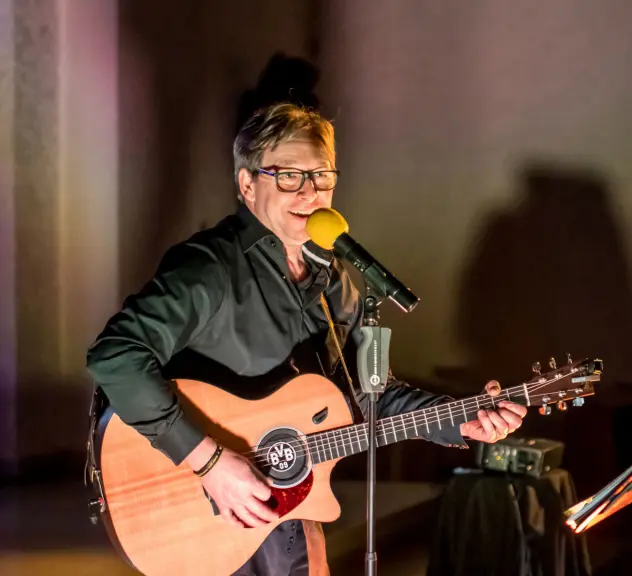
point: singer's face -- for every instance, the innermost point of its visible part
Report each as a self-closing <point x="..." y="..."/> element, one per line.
<point x="285" y="213"/>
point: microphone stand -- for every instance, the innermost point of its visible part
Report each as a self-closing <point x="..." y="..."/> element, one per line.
<point x="373" y="370"/>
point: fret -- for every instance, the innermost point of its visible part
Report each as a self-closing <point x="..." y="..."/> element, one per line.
<point x="380" y="434"/>
<point x="405" y="426"/>
<point x="478" y="406"/>
<point x="426" y="420"/>
<point x="315" y="447"/>
<point x="312" y="455"/>
<point x="493" y="405"/>
<point x="331" y="454"/>
<point x="463" y="408"/>
<point x="332" y="445"/>
<point x="342" y="439"/>
<point x="415" y="424"/>
<point x="321" y="457"/>
<point x="311" y="450"/>
<point x="438" y="418"/>
<point x="358" y="437"/>
<point x="450" y="411"/>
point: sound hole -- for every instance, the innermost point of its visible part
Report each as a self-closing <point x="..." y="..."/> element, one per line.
<point x="282" y="455"/>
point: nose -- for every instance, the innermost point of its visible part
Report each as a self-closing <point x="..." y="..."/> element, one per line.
<point x="308" y="190"/>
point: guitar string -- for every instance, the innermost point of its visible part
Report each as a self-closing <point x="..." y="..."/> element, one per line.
<point x="346" y="437"/>
<point x="441" y="409"/>
<point x="327" y="436"/>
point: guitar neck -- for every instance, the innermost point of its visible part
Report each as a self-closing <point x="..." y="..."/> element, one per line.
<point x="350" y="440"/>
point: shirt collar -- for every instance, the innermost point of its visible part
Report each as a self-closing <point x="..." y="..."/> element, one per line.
<point x="252" y="231"/>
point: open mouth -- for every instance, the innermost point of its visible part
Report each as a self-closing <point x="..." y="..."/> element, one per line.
<point x="301" y="214"/>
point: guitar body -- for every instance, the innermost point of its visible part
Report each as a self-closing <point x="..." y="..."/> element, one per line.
<point x="160" y="517"/>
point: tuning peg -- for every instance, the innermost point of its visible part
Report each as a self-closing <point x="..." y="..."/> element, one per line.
<point x="561" y="406"/>
<point x="578" y="401"/>
<point x="545" y="410"/>
<point x="569" y="360"/>
<point x="536" y="368"/>
<point x="552" y="363"/>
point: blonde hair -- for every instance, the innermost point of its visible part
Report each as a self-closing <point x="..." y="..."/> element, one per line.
<point x="269" y="127"/>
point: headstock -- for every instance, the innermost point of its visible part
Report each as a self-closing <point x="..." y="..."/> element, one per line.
<point x="571" y="382"/>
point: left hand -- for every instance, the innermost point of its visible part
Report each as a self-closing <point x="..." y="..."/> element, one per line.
<point x="494" y="425"/>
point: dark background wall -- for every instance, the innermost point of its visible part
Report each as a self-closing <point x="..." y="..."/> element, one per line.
<point x="485" y="157"/>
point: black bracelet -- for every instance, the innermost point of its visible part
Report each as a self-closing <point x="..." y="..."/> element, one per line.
<point x="213" y="460"/>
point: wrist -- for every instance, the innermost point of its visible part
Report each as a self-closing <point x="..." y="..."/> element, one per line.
<point x="201" y="454"/>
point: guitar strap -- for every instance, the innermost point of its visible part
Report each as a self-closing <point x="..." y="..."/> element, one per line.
<point x="358" y="416"/>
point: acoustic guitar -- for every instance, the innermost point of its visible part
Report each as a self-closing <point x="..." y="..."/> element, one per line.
<point x="162" y="522"/>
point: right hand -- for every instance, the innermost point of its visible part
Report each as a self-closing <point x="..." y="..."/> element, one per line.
<point x="239" y="491"/>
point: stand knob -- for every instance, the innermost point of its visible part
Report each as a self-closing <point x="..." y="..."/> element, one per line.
<point x="561" y="406"/>
<point x="578" y="401"/>
<point x="545" y="410"/>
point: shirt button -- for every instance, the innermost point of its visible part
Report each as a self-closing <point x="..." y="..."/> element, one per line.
<point x="293" y="525"/>
<point x="291" y="539"/>
<point x="273" y="243"/>
<point x="288" y="550"/>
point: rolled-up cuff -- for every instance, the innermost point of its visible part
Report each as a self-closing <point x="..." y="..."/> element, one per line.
<point x="179" y="440"/>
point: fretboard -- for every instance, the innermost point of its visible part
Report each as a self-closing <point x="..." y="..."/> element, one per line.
<point x="426" y="422"/>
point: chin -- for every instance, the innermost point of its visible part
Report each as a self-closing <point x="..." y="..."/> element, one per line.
<point x="295" y="239"/>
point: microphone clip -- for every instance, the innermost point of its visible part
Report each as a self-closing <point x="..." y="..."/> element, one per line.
<point x="373" y="352"/>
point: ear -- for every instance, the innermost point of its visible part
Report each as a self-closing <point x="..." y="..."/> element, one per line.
<point x="246" y="184"/>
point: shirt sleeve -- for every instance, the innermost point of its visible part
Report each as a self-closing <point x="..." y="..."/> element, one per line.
<point x="127" y="358"/>
<point x="399" y="397"/>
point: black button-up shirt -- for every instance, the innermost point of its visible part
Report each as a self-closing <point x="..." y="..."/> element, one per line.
<point x="223" y="309"/>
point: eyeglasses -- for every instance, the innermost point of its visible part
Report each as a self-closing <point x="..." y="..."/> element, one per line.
<point x="293" y="180"/>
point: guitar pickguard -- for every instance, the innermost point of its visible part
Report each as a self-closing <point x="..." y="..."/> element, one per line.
<point x="284" y="500"/>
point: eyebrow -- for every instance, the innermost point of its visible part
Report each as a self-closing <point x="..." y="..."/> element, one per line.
<point x="285" y="164"/>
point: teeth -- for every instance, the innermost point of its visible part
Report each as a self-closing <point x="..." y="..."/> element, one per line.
<point x="300" y="213"/>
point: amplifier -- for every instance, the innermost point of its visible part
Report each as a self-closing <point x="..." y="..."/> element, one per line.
<point x="532" y="456"/>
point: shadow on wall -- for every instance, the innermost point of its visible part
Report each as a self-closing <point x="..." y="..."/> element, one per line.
<point x="547" y="277"/>
<point x="182" y="78"/>
<point x="285" y="79"/>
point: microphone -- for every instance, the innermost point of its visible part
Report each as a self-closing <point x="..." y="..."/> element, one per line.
<point x="327" y="228"/>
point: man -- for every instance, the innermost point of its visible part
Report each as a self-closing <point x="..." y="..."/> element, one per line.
<point x="242" y="300"/>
